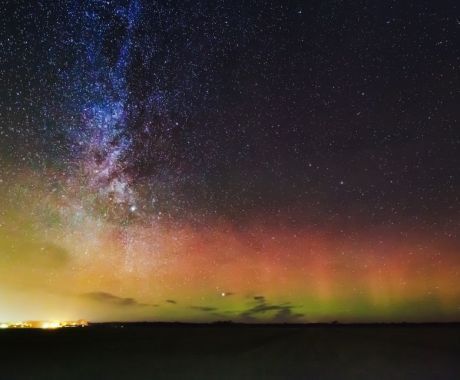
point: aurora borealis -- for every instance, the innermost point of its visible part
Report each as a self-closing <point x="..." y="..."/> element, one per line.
<point x="222" y="160"/>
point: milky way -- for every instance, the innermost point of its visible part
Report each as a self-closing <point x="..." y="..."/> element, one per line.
<point x="226" y="160"/>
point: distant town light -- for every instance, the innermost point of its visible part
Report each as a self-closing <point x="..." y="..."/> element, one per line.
<point x="51" y="325"/>
<point x="43" y="324"/>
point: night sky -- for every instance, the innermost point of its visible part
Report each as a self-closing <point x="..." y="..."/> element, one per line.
<point x="250" y="161"/>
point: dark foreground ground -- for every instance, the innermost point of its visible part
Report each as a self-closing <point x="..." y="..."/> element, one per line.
<point x="233" y="352"/>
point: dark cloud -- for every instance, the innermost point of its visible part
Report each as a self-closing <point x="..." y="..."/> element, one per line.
<point x="111" y="299"/>
<point x="203" y="308"/>
<point x="284" y="311"/>
<point x="285" y="315"/>
<point x="171" y="301"/>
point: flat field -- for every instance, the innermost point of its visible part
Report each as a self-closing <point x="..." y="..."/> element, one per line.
<point x="159" y="351"/>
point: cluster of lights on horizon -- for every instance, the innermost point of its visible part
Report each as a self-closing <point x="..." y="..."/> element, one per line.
<point x="46" y="325"/>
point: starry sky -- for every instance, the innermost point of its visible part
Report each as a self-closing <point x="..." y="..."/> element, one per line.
<point x="249" y="161"/>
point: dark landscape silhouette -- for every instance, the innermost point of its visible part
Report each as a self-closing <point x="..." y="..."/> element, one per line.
<point x="226" y="350"/>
